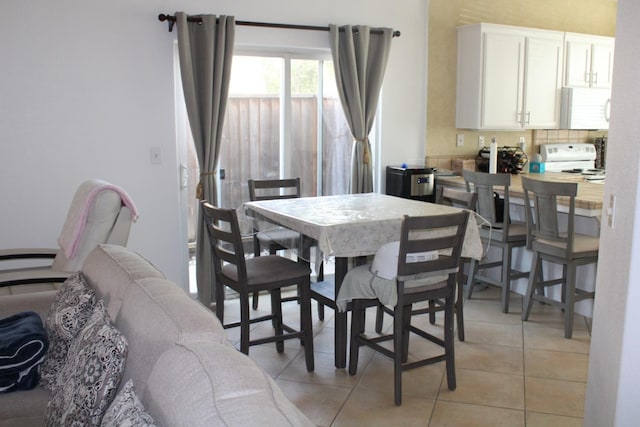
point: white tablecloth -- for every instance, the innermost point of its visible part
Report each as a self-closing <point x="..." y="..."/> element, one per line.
<point x="354" y="224"/>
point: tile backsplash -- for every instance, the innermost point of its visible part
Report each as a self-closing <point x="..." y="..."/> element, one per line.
<point x="538" y="137"/>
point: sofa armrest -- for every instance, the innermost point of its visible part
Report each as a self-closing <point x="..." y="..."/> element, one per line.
<point x="28" y="253"/>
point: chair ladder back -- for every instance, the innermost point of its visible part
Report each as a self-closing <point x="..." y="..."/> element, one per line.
<point x="225" y="238"/>
<point x="459" y="198"/>
<point x="484" y="186"/>
<point x="447" y="236"/>
<point x="270" y="189"/>
<point x="544" y="211"/>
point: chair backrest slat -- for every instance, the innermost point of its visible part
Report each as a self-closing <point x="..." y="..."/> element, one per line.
<point x="541" y="210"/>
<point x="269" y="189"/>
<point x="225" y="238"/>
<point x="430" y="233"/>
<point x="485" y="185"/>
<point x="459" y="198"/>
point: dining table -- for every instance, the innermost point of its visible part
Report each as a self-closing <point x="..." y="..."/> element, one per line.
<point x="348" y="227"/>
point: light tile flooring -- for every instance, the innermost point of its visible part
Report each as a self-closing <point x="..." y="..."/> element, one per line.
<point x="509" y="372"/>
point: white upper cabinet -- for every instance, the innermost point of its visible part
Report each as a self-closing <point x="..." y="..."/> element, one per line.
<point x="589" y="60"/>
<point x="508" y="77"/>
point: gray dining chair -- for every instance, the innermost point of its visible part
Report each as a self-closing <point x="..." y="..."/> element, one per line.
<point x="460" y="199"/>
<point x="246" y="276"/>
<point x="554" y="243"/>
<point x="418" y="279"/>
<point x="502" y="233"/>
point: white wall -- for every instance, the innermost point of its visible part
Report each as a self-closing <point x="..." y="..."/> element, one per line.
<point x="612" y="389"/>
<point x="86" y="90"/>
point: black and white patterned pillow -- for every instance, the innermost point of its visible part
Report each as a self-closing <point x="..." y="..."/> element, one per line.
<point x="89" y="379"/>
<point x="67" y="315"/>
<point x="127" y="410"/>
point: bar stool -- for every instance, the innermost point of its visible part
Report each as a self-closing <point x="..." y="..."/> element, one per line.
<point x="551" y="243"/>
<point x="503" y="233"/>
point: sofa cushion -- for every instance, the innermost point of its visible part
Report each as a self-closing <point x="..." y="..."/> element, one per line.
<point x="40" y="302"/>
<point x="91" y="375"/>
<point x="67" y="316"/>
<point x="215" y="385"/>
<point x="23" y="408"/>
<point x="109" y="269"/>
<point x="169" y="316"/>
<point x="126" y="410"/>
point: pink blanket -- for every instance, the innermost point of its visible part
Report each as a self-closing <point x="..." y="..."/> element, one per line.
<point x="78" y="212"/>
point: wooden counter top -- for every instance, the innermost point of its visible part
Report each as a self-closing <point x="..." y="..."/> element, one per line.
<point x="590" y="196"/>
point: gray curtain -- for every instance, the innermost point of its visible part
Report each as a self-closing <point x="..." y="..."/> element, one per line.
<point x="206" y="53"/>
<point x="360" y="59"/>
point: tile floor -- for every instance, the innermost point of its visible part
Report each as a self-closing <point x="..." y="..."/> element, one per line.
<point x="509" y="372"/>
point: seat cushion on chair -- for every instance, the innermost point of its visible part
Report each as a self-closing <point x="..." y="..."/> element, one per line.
<point x="361" y="283"/>
<point x="271" y="268"/>
<point x="517" y="232"/>
<point x="583" y="247"/>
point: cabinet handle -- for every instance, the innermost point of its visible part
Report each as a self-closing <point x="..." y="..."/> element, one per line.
<point x="595" y="78"/>
<point x="528" y="117"/>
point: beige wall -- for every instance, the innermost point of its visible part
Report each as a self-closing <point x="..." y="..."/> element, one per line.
<point x="580" y="16"/>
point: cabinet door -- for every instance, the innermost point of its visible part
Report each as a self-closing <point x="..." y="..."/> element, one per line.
<point x="602" y="63"/>
<point x="543" y="82"/>
<point x="503" y="68"/>
<point x="578" y="63"/>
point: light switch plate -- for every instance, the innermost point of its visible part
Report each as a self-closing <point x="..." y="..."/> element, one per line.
<point x="459" y="140"/>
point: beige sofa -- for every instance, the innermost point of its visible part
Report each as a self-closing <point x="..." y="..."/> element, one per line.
<point x="185" y="371"/>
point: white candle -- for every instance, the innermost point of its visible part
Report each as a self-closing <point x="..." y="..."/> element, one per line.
<point x="493" y="156"/>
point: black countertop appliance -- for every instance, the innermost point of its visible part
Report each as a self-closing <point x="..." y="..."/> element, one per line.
<point x="411" y="182"/>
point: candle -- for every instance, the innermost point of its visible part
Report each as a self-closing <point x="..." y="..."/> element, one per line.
<point x="493" y="156"/>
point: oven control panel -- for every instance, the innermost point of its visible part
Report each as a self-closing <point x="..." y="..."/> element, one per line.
<point x="567" y="152"/>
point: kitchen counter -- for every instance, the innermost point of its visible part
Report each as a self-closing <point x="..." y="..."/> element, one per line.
<point x="588" y="215"/>
<point x="588" y="201"/>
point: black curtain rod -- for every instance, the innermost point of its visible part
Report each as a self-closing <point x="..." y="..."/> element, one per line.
<point x="171" y="20"/>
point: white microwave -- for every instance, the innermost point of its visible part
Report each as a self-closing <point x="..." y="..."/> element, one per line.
<point x="585" y="108"/>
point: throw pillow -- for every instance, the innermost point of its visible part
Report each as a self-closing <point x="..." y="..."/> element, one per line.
<point x="127" y="410"/>
<point x="67" y="315"/>
<point x="91" y="374"/>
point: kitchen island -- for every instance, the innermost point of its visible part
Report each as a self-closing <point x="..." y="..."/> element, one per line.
<point x="589" y="202"/>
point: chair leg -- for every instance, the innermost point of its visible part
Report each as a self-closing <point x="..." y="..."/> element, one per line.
<point x="256" y="253"/>
<point x="506" y="277"/>
<point x="220" y="302"/>
<point x="534" y="276"/>
<point x="449" y="343"/>
<point x="458" y="304"/>
<point x="354" y="345"/>
<point x="379" y="318"/>
<point x="432" y="312"/>
<point x="473" y="269"/>
<point x="244" y="323"/>
<point x="306" y="325"/>
<point x="569" y="300"/>
<point x="406" y="316"/>
<point x="398" y="348"/>
<point x="320" y="278"/>
<point x="254" y="303"/>
<point x="276" y="310"/>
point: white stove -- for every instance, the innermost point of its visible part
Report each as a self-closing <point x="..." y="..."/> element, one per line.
<point x="572" y="158"/>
